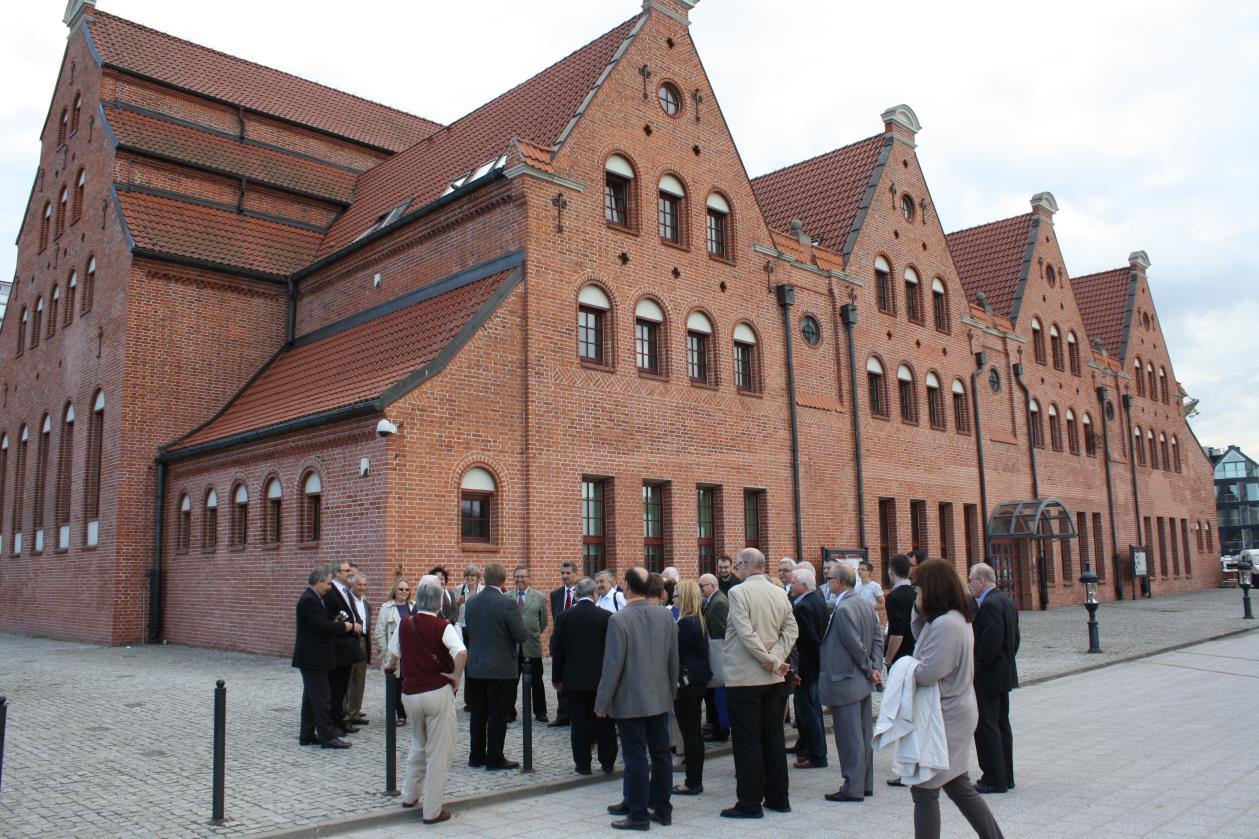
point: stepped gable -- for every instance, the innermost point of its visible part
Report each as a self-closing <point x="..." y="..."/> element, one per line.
<point x="1103" y="302"/>
<point x="146" y="52"/>
<point x="990" y="257"/>
<point x="161" y="225"/>
<point x="825" y="192"/>
<point x="536" y="111"/>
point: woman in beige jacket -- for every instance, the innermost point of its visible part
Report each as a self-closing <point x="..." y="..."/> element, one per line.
<point x="392" y="611"/>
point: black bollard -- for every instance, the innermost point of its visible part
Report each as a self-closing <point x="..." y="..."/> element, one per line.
<point x="391" y="734"/>
<point x="4" y="723"/>
<point x="526" y="709"/>
<point x="220" y="749"/>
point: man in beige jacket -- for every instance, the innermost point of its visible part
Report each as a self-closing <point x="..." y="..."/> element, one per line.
<point x="760" y="632"/>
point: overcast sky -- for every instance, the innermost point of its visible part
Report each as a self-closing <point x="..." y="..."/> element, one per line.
<point x="1139" y="117"/>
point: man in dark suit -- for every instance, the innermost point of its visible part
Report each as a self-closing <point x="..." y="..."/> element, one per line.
<point x="349" y="650"/>
<point x="577" y="643"/>
<point x="493" y="666"/>
<point x="314" y="655"/>
<point x="716" y="608"/>
<point x="809" y="607"/>
<point x="996" y="627"/>
<point x="562" y="599"/>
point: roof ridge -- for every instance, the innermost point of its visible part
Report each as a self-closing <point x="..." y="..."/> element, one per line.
<point x="102" y="14"/>
<point x="1084" y="278"/>
<point x="989" y="224"/>
<point x="818" y="156"/>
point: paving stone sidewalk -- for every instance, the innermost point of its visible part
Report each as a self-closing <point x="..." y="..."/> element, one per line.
<point x="107" y="742"/>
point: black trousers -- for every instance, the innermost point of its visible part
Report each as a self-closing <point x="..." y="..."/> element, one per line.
<point x="587" y="728"/>
<point x="317" y="707"/>
<point x="687" y="706"/>
<point x="760" y="748"/>
<point x="710" y="712"/>
<point x="490" y="700"/>
<point x="339" y="683"/>
<point x="537" y="690"/>
<point x="994" y="741"/>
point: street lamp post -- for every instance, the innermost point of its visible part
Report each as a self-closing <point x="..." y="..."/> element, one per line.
<point x="1089" y="579"/>
<point x="1243" y="577"/>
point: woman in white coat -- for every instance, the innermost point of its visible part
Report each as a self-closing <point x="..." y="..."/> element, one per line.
<point x="945" y="649"/>
<point x="392" y="611"/>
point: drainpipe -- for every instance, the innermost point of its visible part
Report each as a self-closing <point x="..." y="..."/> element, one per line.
<point x="1042" y="574"/>
<point x="848" y="314"/>
<point x="155" y="573"/>
<point x="981" y="359"/>
<point x="1117" y="571"/>
<point x="1136" y="497"/>
<point x="291" y="326"/>
<point x="786" y="299"/>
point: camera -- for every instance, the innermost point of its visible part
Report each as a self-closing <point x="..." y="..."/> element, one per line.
<point x="385" y="428"/>
<point x="342" y="617"/>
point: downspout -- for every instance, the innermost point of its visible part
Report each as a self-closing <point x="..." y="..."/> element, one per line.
<point x="155" y="573"/>
<point x="291" y="327"/>
<point x="786" y="299"/>
<point x="848" y="313"/>
<point x="1042" y="574"/>
<point x="980" y="360"/>
<point x="1136" y="498"/>
<point x="1110" y="497"/>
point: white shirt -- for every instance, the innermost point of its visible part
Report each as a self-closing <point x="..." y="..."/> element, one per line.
<point x="451" y="637"/>
<point x="870" y="592"/>
<point x="613" y="601"/>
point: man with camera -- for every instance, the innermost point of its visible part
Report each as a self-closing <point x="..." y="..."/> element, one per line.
<point x="349" y="651"/>
<point x="314" y="655"/>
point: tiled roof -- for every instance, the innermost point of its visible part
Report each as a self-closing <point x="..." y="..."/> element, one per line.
<point x="536" y="111"/>
<point x="232" y="157"/>
<point x="989" y="258"/>
<point x="180" y="228"/>
<point x="824" y="192"/>
<point x="353" y="365"/>
<point x="174" y="61"/>
<point x="810" y="255"/>
<point x="1103" y="302"/>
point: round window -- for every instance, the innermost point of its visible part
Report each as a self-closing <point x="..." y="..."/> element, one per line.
<point x="994" y="380"/>
<point x="811" y="330"/>
<point x="670" y="99"/>
<point x="907" y="207"/>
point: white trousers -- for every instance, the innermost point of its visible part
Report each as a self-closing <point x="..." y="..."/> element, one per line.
<point x="432" y="718"/>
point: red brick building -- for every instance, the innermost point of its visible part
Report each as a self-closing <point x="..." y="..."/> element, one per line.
<point x="291" y="326"/>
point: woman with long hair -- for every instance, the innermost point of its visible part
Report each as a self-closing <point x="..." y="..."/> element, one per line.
<point x="693" y="681"/>
<point x="392" y="611"/>
<point x="945" y="649"/>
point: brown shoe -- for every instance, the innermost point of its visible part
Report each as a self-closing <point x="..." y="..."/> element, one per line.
<point x="804" y="763"/>
<point x="444" y="817"/>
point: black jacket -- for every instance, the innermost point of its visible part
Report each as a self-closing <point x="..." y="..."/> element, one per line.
<point x="577" y="643"/>
<point x="899" y="603"/>
<point x="996" y="644"/>
<point x="811" y="617"/>
<point x="693" y="653"/>
<point x="349" y="650"/>
<point x="495" y="624"/>
<point x="557" y="604"/>
<point x="316" y="633"/>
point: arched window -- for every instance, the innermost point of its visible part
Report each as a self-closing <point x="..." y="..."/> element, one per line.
<point x="1136" y="375"/>
<point x="1175" y="456"/>
<point x="745" y="361"/>
<point x="238" y="521"/>
<point x="961" y="408"/>
<point x="41" y="482"/>
<point x="89" y="286"/>
<point x="92" y="470"/>
<point x="275" y="510"/>
<point x="210" y="521"/>
<point x="1055" y="345"/>
<point x="80" y="183"/>
<point x="1073" y="354"/>
<point x="63" y="126"/>
<point x="45" y="223"/>
<point x="183" y="530"/>
<point x="19" y="488"/>
<point x="63" y="203"/>
<point x="875" y="384"/>
<point x="908" y="399"/>
<point x="1164" y="453"/>
<point x="1149" y="436"/>
<point x="718" y="226"/>
<point x="939" y="305"/>
<point x="476" y="506"/>
<point x="21" y="332"/>
<point x="1162" y="385"/>
<point x="1055" y="428"/>
<point x="75" y="112"/>
<point x="672" y="210"/>
<point x="883" y="285"/>
<point x="65" y="469"/>
<point x="648" y="320"/>
<point x="1138" y="446"/>
<point x="1073" y="439"/>
<point x="1149" y="372"/>
<point x="1038" y="341"/>
<point x="913" y="296"/>
<point x="312" y="507"/>
<point x="935" y="402"/>
<point x="1090" y="441"/>
<point x="38" y="322"/>
<point x="699" y="333"/>
<point x="72" y="287"/>
<point x="1035" y="424"/>
<point x="54" y="300"/>
<point x="618" y="192"/>
<point x="1050" y="276"/>
<point x="593" y="307"/>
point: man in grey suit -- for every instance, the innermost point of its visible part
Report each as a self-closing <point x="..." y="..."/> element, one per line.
<point x="851" y="660"/>
<point x="493" y="664"/>
<point x="637" y="688"/>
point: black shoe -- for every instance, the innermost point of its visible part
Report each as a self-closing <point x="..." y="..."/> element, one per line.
<point x="841" y="796"/>
<point x="985" y="789"/>
<point x="349" y="729"/>
<point x="736" y="813"/>
<point x="477" y="764"/>
<point x="308" y="741"/>
<point x="361" y="720"/>
<point x="557" y="724"/>
<point x="501" y="765"/>
<point x="626" y="824"/>
<point x="542" y="720"/>
<point x="621" y="809"/>
<point x="665" y="819"/>
<point x="609" y="769"/>
<point x="894" y="782"/>
<point x="717" y="737"/>
<point x="336" y="743"/>
<point x="585" y="771"/>
<point x="1010" y="785"/>
<point x="783" y="807"/>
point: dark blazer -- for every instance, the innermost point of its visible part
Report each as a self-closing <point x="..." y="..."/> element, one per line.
<point x="349" y="650"/>
<point x="494" y="621"/>
<point x="811" y="616"/>
<point x="557" y="604"/>
<point x="716" y="613"/>
<point x="899" y="603"/>
<point x="693" y="653"/>
<point x="316" y="632"/>
<point x="996" y="643"/>
<point x="577" y="643"/>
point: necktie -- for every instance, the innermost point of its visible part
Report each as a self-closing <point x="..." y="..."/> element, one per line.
<point x="520" y="599"/>
<point x="568" y="598"/>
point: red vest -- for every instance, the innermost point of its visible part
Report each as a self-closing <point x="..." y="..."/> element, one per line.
<point x="424" y="656"/>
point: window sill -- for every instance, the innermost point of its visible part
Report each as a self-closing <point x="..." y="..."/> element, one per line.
<point x="703" y="385"/>
<point x="271" y="546"/>
<point x="724" y="260"/>
<point x="308" y="546"/>
<point x="883" y="417"/>
<point x="209" y="551"/>
<point x="479" y="547"/>
<point x="596" y="365"/>
<point x="675" y="245"/>
<point x="236" y="549"/>
<point x="620" y="228"/>
<point x="744" y="391"/>
<point x="655" y="377"/>
<point x="909" y="422"/>
<point x="86" y="548"/>
<point x="938" y="427"/>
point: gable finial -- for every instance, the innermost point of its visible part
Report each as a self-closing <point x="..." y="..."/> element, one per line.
<point x="901" y="122"/>
<point x="1045" y="202"/>
<point x="76" y="10"/>
<point x="1139" y="260"/>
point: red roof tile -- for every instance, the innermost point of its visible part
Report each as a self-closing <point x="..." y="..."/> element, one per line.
<point x="536" y="111"/>
<point x="989" y="258"/>
<point x="229" y="156"/>
<point x="174" y="61"/>
<point x="824" y="192"/>
<point x="352" y="366"/>
<point x="217" y="236"/>
<point x="1103" y="302"/>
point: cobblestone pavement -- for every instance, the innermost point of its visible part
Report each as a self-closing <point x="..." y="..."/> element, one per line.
<point x="107" y="742"/>
<point x="1149" y="748"/>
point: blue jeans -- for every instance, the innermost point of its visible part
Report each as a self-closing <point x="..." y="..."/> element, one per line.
<point x="642" y="737"/>
<point x="809" y="718"/>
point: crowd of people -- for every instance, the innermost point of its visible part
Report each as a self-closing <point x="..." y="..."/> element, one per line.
<point x="637" y="669"/>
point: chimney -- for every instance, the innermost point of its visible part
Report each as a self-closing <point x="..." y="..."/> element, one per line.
<point x="679" y="10"/>
<point x="76" y="11"/>
<point x="1045" y="205"/>
<point x="902" y="123"/>
<point x="1139" y="261"/>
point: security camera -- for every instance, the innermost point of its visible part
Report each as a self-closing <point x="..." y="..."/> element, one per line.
<point x="385" y="428"/>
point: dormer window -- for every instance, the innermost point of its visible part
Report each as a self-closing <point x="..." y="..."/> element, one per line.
<point x="617" y="193"/>
<point x="491" y="165"/>
<point x="387" y="218"/>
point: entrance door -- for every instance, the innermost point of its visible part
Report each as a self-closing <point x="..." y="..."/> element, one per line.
<point x="1007" y="562"/>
